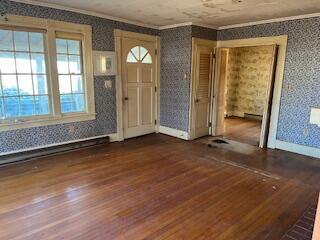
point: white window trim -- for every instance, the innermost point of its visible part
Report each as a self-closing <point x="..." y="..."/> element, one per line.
<point x="51" y="27"/>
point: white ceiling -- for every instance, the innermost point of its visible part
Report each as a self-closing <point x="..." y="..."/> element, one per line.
<point x="216" y="13"/>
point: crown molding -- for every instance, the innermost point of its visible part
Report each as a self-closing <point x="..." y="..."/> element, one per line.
<point x="187" y="24"/>
<point x="312" y="15"/>
<point x="91" y="13"/>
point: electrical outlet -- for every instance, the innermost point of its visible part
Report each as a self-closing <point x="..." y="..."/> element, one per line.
<point x="72" y="129"/>
<point x="306" y="132"/>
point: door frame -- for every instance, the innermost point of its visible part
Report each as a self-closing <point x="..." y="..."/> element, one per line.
<point x="192" y="117"/>
<point x="118" y="36"/>
<point x="281" y="41"/>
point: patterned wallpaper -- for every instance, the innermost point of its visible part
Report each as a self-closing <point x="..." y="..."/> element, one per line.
<point x="176" y="51"/>
<point x="301" y="86"/>
<point x="105" y="101"/>
<point x="247" y="80"/>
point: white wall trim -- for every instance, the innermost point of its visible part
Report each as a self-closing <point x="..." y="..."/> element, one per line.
<point x="187" y="24"/>
<point x="86" y="12"/>
<point x="312" y="15"/>
<point x="113" y="138"/>
<point x="300" y="149"/>
<point x="174" y="132"/>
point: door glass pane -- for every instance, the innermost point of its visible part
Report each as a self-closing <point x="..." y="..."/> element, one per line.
<point x="9" y="85"/>
<point x="23" y="62"/>
<point x="25" y="84"/>
<point x="131" y="58"/>
<point x="61" y="45"/>
<point x="135" y="52"/>
<point x="77" y="84"/>
<point x="7" y="62"/>
<point x="36" y="42"/>
<point x="143" y="52"/>
<point x="64" y="84"/>
<point x="38" y="63"/>
<point x="11" y="106"/>
<point x="6" y="40"/>
<point x="27" y="106"/>
<point x="40" y="84"/>
<point x="21" y="41"/>
<point x="74" y="64"/>
<point x="74" y="47"/>
<point x="147" y="59"/>
<point x="42" y="105"/>
<point x="63" y="67"/>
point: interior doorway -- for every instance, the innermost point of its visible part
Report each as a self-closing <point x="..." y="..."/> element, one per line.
<point x="246" y="81"/>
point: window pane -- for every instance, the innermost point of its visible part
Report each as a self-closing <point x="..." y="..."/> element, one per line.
<point x="147" y="59"/>
<point x="11" y="106"/>
<point x="143" y="52"/>
<point x="77" y="84"/>
<point x="42" y="105"/>
<point x="6" y="42"/>
<point x="1" y="109"/>
<point x="64" y="84"/>
<point x="9" y="85"/>
<point x="40" y="84"/>
<point x="79" y="102"/>
<point x="73" y="47"/>
<point x="36" y="42"/>
<point x="61" y="45"/>
<point x="62" y="61"/>
<point x="75" y="64"/>
<point x="38" y="63"/>
<point x="23" y="62"/>
<point x="7" y="63"/>
<point x="67" y="104"/>
<point x="27" y="106"/>
<point x="25" y="84"/>
<point x="21" y="41"/>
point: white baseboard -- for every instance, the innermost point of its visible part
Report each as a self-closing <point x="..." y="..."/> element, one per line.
<point x="300" y="149"/>
<point x="174" y="132"/>
<point x="113" y="138"/>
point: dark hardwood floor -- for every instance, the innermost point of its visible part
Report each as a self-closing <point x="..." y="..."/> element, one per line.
<point x="242" y="130"/>
<point x="157" y="187"/>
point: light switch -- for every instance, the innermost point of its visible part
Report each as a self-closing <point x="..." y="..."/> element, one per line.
<point x="108" y="84"/>
<point x="315" y="116"/>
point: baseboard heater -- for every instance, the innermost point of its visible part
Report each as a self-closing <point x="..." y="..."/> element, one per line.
<point x="30" y="154"/>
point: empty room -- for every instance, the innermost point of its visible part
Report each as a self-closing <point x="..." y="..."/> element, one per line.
<point x="184" y="119"/>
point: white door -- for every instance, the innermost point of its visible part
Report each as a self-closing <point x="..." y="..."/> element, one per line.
<point x="202" y="96"/>
<point x="138" y="72"/>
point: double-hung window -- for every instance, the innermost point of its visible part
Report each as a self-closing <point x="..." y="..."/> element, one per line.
<point x="45" y="73"/>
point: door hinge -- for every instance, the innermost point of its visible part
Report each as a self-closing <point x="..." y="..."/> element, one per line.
<point x="155" y="122"/>
<point x="155" y="89"/>
<point x="213" y="55"/>
<point x="156" y="51"/>
<point x="210" y="124"/>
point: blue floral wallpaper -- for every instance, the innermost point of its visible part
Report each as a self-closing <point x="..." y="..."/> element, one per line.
<point x="301" y="86"/>
<point x="105" y="122"/>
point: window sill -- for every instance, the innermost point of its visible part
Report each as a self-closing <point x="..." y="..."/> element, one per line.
<point x="36" y="122"/>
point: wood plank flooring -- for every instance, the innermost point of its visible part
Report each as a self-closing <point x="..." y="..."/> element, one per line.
<point x="242" y="130"/>
<point x="152" y="187"/>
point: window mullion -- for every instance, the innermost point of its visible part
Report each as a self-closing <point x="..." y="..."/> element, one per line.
<point x="53" y="73"/>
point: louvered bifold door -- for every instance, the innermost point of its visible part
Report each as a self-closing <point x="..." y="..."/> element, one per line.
<point x="203" y="87"/>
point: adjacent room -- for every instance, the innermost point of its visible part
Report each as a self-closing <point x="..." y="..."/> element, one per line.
<point x="195" y="119"/>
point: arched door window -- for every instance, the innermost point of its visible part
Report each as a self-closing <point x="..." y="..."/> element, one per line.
<point x="139" y="54"/>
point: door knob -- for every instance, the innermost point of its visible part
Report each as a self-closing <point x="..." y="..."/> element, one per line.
<point x="197" y="100"/>
<point x="126" y="98"/>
